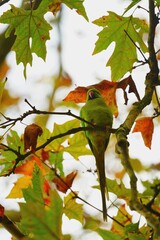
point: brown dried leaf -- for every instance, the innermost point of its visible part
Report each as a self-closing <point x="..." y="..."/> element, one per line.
<point x="31" y="134"/>
<point x="64" y="183"/>
<point x="132" y="88"/>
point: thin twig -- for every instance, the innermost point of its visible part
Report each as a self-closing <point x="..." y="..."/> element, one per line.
<point x="78" y="197"/>
<point x="12" y="121"/>
<point x="139" y="49"/>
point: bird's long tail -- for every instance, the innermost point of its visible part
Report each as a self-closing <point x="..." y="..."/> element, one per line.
<point x="102" y="180"/>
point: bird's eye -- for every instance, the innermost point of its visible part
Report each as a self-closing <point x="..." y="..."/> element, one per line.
<point x="91" y="95"/>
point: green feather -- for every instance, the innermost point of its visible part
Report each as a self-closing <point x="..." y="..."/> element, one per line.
<point x="97" y="112"/>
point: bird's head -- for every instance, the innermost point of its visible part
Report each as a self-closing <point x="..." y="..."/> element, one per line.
<point x="93" y="93"/>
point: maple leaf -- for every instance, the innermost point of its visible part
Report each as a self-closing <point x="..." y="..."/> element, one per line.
<point x="128" y="81"/>
<point x="27" y="167"/>
<point x="31" y="30"/>
<point x="145" y="127"/>
<point x="74" y="4"/>
<point x="124" y="217"/>
<point x="78" y="5"/>
<point x="34" y="211"/>
<point x="72" y="209"/>
<point x="31" y="134"/>
<point x="55" y="6"/>
<point x="121" y="30"/>
<point x="133" y="3"/>
<point x="21" y="183"/>
<point x="64" y="183"/>
<point x="106" y="88"/>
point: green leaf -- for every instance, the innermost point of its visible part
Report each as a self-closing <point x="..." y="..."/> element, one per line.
<point x="122" y="217"/>
<point x="92" y="223"/>
<point x="6" y="161"/>
<point x="35" y="193"/>
<point x="133" y="227"/>
<point x="149" y="192"/>
<point x="132" y="4"/>
<point x="62" y="128"/>
<point x="77" y="146"/>
<point x="56" y="158"/>
<point x="40" y="221"/>
<point x="72" y="209"/>
<point x="146" y="231"/>
<point x="54" y="214"/>
<point x="78" y="5"/>
<point x="137" y="165"/>
<point x="157" y="2"/>
<point x="15" y="142"/>
<point x="133" y="232"/>
<point x="119" y="189"/>
<point x="122" y="31"/>
<point x="8" y="157"/>
<point x="31" y="29"/>
<point x="108" y="235"/>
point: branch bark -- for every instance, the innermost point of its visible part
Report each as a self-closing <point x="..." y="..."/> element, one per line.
<point x="121" y="134"/>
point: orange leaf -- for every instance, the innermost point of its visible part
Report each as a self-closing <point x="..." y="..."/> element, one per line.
<point x="64" y="183"/>
<point x="27" y="167"/>
<point x="106" y="88"/>
<point x="1" y="211"/>
<point x="146" y="127"/>
<point x="120" y="174"/>
<point x="78" y="95"/>
<point x="31" y="134"/>
<point x="3" y="70"/>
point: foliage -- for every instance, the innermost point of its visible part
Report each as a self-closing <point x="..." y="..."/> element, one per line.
<point x="49" y="192"/>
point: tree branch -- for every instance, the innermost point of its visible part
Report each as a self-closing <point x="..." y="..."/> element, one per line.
<point x="12" y="121"/>
<point x="122" y="143"/>
<point x="11" y="228"/>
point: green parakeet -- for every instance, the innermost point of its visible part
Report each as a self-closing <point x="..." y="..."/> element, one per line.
<point x="97" y="112"/>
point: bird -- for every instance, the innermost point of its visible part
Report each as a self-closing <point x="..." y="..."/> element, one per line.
<point x="97" y="113"/>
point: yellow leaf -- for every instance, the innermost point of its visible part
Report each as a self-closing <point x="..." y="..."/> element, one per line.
<point x="21" y="183"/>
<point x="72" y="209"/>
